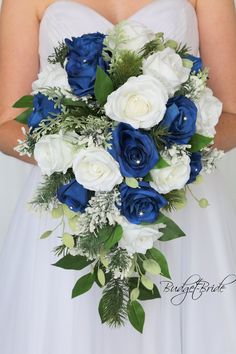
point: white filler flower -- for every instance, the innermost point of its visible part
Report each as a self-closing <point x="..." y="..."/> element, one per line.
<point x="138" y="238"/>
<point x="128" y="35"/>
<point x="53" y="75"/>
<point x="140" y="102"/>
<point x="168" y="67"/>
<point x="209" y="111"/>
<point x="172" y="177"/>
<point x="96" y="169"/>
<point x="54" y="153"/>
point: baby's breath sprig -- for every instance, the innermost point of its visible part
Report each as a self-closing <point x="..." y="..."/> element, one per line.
<point x="195" y="85"/>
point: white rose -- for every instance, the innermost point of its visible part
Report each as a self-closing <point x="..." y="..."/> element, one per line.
<point x="167" y="66"/>
<point x="140" y="102"/>
<point x="172" y="177"/>
<point x="138" y="238"/>
<point x="209" y="111"/>
<point x="96" y="169"/>
<point x="54" y="153"/>
<point x="53" y="75"/>
<point x="128" y="35"/>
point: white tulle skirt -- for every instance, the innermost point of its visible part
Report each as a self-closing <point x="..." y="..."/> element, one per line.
<point x="38" y="316"/>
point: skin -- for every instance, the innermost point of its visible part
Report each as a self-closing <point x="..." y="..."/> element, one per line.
<point x="19" y="61"/>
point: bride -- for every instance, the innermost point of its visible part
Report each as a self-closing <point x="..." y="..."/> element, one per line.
<point x="37" y="315"/>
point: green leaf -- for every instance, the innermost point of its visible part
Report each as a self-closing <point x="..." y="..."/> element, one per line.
<point x="171" y="231"/>
<point x="74" y="223"/>
<point x="131" y="182"/>
<point x="147" y="283"/>
<point x="151" y="266"/>
<point x="136" y="315"/>
<point x="73" y="262"/>
<point x="83" y="285"/>
<point x="161" y="260"/>
<point x="46" y="234"/>
<point x="114" y="237"/>
<point x="57" y="212"/>
<point x="101" y="277"/>
<point x="134" y="294"/>
<point x="23" y="117"/>
<point x="198" y="142"/>
<point x="148" y="178"/>
<point x="24" y="102"/>
<point x="68" y="240"/>
<point x="68" y="212"/>
<point x="144" y="294"/>
<point x="161" y="163"/>
<point x="103" y="86"/>
<point x="101" y="310"/>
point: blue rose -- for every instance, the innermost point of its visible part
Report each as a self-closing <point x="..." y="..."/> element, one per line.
<point x="74" y="195"/>
<point x="141" y="204"/>
<point x="84" y="55"/>
<point x="179" y="120"/>
<point x="196" y="166"/>
<point x="134" y="150"/>
<point x="197" y="63"/>
<point x="43" y="108"/>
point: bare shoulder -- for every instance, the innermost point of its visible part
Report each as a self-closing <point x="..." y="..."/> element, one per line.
<point x="26" y="7"/>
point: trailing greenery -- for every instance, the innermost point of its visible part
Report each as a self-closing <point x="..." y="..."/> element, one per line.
<point x="156" y="45"/>
<point x="59" y="55"/>
<point x="120" y="261"/>
<point x="114" y="302"/>
<point x="124" y="66"/>
<point x="182" y="50"/>
<point x="46" y="194"/>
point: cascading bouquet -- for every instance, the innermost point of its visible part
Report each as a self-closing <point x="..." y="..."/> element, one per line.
<point x="120" y="125"/>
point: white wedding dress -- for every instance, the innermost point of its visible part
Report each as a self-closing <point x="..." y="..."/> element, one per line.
<point x="37" y="314"/>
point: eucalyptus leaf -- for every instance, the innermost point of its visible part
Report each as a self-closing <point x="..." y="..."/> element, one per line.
<point x="144" y="294"/>
<point x="23" y="117"/>
<point x="136" y="315"/>
<point x="46" y="234"/>
<point x="68" y="240"/>
<point x="134" y="294"/>
<point x="101" y="277"/>
<point x="68" y="212"/>
<point x="74" y="223"/>
<point x="131" y="182"/>
<point x="103" y="86"/>
<point x="83" y="285"/>
<point x="151" y="266"/>
<point x="161" y="260"/>
<point x="24" y="102"/>
<point x="73" y="262"/>
<point x="171" y="231"/>
<point x="57" y="212"/>
<point x="147" y="283"/>
<point x="198" y="142"/>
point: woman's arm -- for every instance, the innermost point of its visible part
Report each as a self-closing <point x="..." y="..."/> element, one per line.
<point x="217" y="28"/>
<point x="19" y="66"/>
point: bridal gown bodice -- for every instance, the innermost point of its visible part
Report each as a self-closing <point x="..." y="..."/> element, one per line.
<point x="37" y="314"/>
<point x="62" y="19"/>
